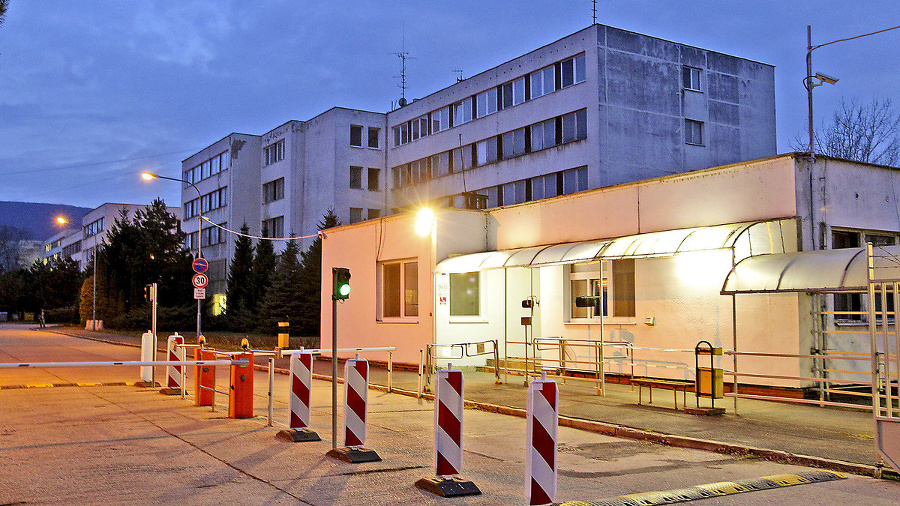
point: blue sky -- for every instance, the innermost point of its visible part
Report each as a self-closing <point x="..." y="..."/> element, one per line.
<point x="93" y="92"/>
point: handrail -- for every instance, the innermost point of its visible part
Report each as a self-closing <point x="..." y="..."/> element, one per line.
<point x="427" y="359"/>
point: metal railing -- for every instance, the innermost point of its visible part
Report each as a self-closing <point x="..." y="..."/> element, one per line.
<point x="428" y="358"/>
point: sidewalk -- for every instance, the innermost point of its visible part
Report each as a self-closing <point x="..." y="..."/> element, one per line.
<point x="835" y="438"/>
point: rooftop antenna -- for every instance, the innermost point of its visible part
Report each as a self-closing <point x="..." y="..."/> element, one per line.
<point x="459" y="74"/>
<point x="403" y="55"/>
<point x="595" y="11"/>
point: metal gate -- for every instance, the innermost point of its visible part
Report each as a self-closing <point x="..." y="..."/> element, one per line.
<point x="883" y="289"/>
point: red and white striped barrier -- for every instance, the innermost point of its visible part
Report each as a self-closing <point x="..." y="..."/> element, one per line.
<point x="173" y="372"/>
<point x="448" y="422"/>
<point x="540" y="456"/>
<point x="301" y="384"/>
<point x="356" y="393"/>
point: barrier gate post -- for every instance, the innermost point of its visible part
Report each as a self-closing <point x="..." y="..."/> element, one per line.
<point x="448" y="428"/>
<point x="173" y="372"/>
<point x="356" y="394"/>
<point x="301" y="388"/>
<point x="204" y="378"/>
<point x="240" y="400"/>
<point x="540" y="448"/>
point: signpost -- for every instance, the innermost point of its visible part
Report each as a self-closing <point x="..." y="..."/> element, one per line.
<point x="200" y="265"/>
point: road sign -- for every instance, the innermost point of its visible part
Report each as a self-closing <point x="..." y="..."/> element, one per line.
<point x="200" y="293"/>
<point x="200" y="265"/>
<point x="200" y="280"/>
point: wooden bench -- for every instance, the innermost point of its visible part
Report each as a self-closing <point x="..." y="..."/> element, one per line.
<point x="674" y="385"/>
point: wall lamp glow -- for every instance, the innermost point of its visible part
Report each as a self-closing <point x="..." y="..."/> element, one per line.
<point x="424" y="221"/>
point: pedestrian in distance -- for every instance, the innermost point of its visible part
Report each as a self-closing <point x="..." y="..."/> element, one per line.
<point x="41" y="320"/>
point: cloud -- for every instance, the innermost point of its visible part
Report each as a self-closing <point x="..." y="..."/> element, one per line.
<point x="182" y="33"/>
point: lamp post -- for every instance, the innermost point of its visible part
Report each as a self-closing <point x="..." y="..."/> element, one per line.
<point x="818" y="79"/>
<point x="148" y="176"/>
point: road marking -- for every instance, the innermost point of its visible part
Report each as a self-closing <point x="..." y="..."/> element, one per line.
<point x="714" y="489"/>
<point x="53" y="385"/>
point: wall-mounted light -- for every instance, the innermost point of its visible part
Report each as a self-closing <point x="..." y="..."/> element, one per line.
<point x="424" y="221"/>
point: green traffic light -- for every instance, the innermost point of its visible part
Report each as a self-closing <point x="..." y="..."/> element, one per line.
<point x="345" y="290"/>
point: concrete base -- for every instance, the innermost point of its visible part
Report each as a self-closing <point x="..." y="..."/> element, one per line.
<point x="170" y="391"/>
<point x="448" y="487"/>
<point x="705" y="411"/>
<point x="147" y="384"/>
<point x="298" y="435"/>
<point x="357" y="455"/>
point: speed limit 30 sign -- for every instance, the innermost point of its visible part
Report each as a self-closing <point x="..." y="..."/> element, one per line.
<point x="200" y="280"/>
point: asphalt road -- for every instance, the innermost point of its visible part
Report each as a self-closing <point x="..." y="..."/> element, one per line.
<point x="120" y="444"/>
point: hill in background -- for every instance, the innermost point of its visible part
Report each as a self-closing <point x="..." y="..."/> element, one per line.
<point x="39" y="220"/>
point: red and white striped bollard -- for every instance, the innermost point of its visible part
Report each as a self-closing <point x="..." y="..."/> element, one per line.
<point x="540" y="457"/>
<point x="301" y="389"/>
<point x="448" y="429"/>
<point x="356" y="395"/>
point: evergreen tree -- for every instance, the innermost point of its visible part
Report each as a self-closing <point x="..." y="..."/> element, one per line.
<point x="310" y="291"/>
<point x="238" y="291"/>
<point x="282" y="300"/>
<point x="260" y="274"/>
<point x="109" y="304"/>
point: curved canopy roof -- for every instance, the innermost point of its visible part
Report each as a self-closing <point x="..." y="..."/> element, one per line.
<point x="747" y="238"/>
<point x="812" y="271"/>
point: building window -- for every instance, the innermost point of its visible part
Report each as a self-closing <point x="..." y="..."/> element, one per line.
<point x="374" y="214"/>
<point x="513" y="92"/>
<point x="190" y="241"/>
<point x="693" y="132"/>
<point x="853" y="307"/>
<point x="462" y="112"/>
<point x="214" y="200"/>
<point x="274" y="152"/>
<point x="399" y="289"/>
<point x="373" y="137"/>
<point x="356" y="214"/>
<point x="486" y="103"/>
<point x="610" y="283"/>
<point x="401" y="134"/>
<point x="213" y="235"/>
<point x="543" y="82"/>
<point x="356" y="178"/>
<point x="440" y="120"/>
<point x="571" y="71"/>
<point x="465" y="294"/>
<point x="374" y="176"/>
<point x="273" y="227"/>
<point x="690" y="77"/>
<point x="273" y="190"/>
<point x="356" y="135"/>
<point x="93" y="228"/>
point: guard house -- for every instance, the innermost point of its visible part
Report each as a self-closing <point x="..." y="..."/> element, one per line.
<point x="652" y="256"/>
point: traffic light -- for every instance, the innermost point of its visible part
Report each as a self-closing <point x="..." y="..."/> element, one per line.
<point x="340" y="283"/>
<point x="150" y="292"/>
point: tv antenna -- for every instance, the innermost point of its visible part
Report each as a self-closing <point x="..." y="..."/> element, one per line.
<point x="595" y="11"/>
<point x="459" y="74"/>
<point x="403" y="55"/>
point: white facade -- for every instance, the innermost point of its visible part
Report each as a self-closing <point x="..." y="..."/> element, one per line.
<point x="670" y="242"/>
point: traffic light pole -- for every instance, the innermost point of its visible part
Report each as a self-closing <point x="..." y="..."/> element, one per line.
<point x="334" y="395"/>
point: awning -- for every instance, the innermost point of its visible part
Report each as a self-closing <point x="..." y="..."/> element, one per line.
<point x="747" y="238"/>
<point x="833" y="270"/>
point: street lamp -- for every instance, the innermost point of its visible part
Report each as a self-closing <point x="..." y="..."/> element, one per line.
<point x="818" y="79"/>
<point x="148" y="176"/>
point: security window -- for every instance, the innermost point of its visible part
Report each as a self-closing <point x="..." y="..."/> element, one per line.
<point x="274" y="152"/>
<point x="399" y="289"/>
<point x="356" y="135"/>
<point x="373" y="137"/>
<point x="611" y="282"/>
<point x="690" y="78"/>
<point x="356" y="177"/>
<point x="693" y="132"/>
<point x="273" y="190"/>
<point x="273" y="227"/>
<point x="374" y="175"/>
<point x="465" y="294"/>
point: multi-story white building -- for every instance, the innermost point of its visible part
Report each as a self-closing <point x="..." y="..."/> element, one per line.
<point x="80" y="240"/>
<point x="602" y="106"/>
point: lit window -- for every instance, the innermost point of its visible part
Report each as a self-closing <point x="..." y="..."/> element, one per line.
<point x="608" y="283"/>
<point x="464" y="294"/>
<point x="399" y="289"/>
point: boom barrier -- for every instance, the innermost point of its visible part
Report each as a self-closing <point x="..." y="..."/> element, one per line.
<point x="48" y="365"/>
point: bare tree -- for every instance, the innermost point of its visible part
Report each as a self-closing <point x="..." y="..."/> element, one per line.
<point x="868" y="134"/>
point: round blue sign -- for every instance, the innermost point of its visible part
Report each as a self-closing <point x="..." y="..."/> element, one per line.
<point x="200" y="265"/>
